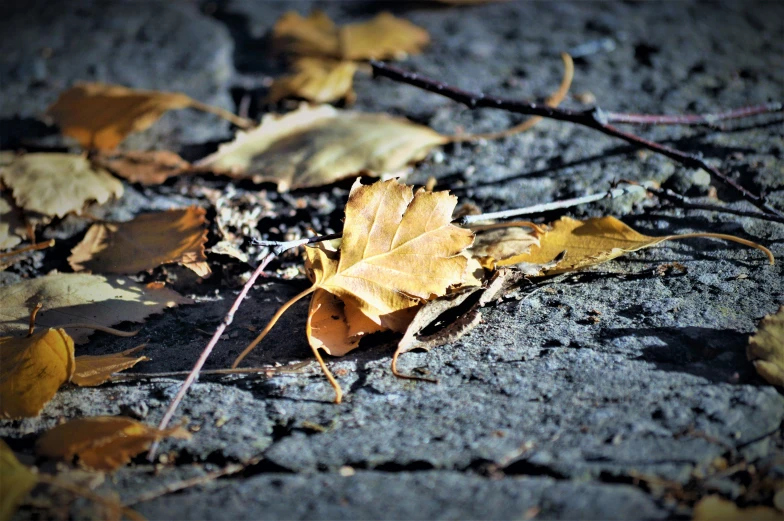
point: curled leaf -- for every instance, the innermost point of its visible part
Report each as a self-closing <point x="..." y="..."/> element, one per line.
<point x="146" y="242"/>
<point x="16" y="481"/>
<point x="314" y="146"/>
<point x="102" y="442"/>
<point x="766" y="348"/>
<point x="100" y="116"/>
<point x="32" y="369"/>
<point x="95" y="370"/>
<point x="57" y="184"/>
<point x="317" y="80"/>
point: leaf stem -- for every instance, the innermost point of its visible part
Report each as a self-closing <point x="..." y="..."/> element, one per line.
<point x="243" y="123"/>
<point x="724" y="237"/>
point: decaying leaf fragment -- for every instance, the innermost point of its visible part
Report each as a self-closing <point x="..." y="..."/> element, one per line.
<point x="318" y="80"/>
<point x="314" y="146"/>
<point x="146" y="242"/>
<point x="32" y="369"/>
<point x="497" y="243"/>
<point x="399" y="250"/>
<point x="95" y="370"/>
<point x="80" y="298"/>
<point x="16" y="481"/>
<point x="100" y="116"/>
<point x="102" y="442"/>
<point x="57" y="184"/>
<point x="383" y="37"/>
<point x="766" y="348"/>
<point x="716" y="508"/>
<point x="148" y="167"/>
<point x="594" y="241"/>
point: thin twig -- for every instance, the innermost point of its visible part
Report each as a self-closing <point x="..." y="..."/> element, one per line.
<point x="684" y="202"/>
<point x="594" y="118"/>
<point x="693" y="119"/>
<point x="285" y="369"/>
<point x="241" y="122"/>
<point x="30" y="247"/>
<point x="555" y="205"/>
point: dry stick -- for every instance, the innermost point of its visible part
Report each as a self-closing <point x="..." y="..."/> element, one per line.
<point x="30" y="247"/>
<point x="684" y="202"/>
<point x="227" y="320"/>
<point x="293" y="368"/>
<point x="594" y="118"/>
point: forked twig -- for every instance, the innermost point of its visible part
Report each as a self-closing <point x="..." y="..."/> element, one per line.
<point x="597" y="119"/>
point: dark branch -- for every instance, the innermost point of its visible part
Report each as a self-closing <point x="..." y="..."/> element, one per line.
<point x="684" y="202"/>
<point x="596" y="119"/>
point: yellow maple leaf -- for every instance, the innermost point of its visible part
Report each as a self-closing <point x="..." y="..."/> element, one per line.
<point x="586" y="243"/>
<point x="144" y="243"/>
<point x="102" y="442"/>
<point x="314" y="146"/>
<point x="766" y="348"/>
<point x="57" y="184"/>
<point x="316" y="79"/>
<point x="32" y="369"/>
<point x="94" y="370"/>
<point x="399" y="249"/>
<point x="100" y="115"/>
<point x="16" y="481"/>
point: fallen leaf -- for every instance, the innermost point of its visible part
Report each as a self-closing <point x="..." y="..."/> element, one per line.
<point x="597" y="240"/>
<point x="100" y="116"/>
<point x="498" y="244"/>
<point x="102" y="442"/>
<point x="57" y="184"/>
<point x="95" y="370"/>
<point x="330" y="328"/>
<point x="146" y="167"/>
<point x="766" y="348"/>
<point x="716" y="508"/>
<point x="314" y="146"/>
<point x="317" y="80"/>
<point x="32" y="370"/>
<point x="146" y="242"/>
<point x="12" y="229"/>
<point x="79" y="298"/>
<point x="16" y="481"/>
<point x="385" y="36"/>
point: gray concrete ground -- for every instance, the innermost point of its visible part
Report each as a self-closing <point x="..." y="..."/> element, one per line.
<point x="573" y="400"/>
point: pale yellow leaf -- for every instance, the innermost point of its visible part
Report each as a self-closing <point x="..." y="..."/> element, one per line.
<point x="314" y="146"/>
<point x="766" y="348"/>
<point x="57" y="184"/>
<point x="70" y="298"/>
<point x="16" y="481"/>
<point x="32" y="369"/>
<point x="95" y="370"/>
<point x="151" y="167"/>
<point x="146" y="242"/>
<point x="716" y="508"/>
<point x="102" y="442"/>
<point x="316" y="79"/>
<point x="381" y="38"/>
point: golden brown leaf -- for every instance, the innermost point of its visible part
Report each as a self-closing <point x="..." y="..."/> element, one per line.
<point x="716" y="508"/>
<point x="79" y="298"/>
<point x="766" y="348"/>
<point x="385" y="36"/>
<point x="102" y="442"/>
<point x="314" y="146"/>
<point x="32" y="369"/>
<point x="16" y="481"/>
<point x="594" y="241"/>
<point x="330" y="328"/>
<point x="144" y="243"/>
<point x="100" y="116"/>
<point x="381" y="38"/>
<point x="317" y="80"/>
<point x="146" y="167"/>
<point x="95" y="370"/>
<point x="57" y="184"/>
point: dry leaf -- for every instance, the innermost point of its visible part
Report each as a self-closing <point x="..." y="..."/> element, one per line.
<point x="597" y="240"/>
<point x="314" y="146"/>
<point x="12" y="228"/>
<point x="381" y="38"/>
<point x="95" y="370"/>
<point x="78" y="298"/>
<point x="716" y="508"/>
<point x="499" y="244"/>
<point x="16" y="481"/>
<point x="330" y="328"/>
<point x="146" y="242"/>
<point x="32" y="369"/>
<point x="317" y="80"/>
<point x="102" y="442"/>
<point x="766" y="348"/>
<point x="57" y="184"/>
<point x="385" y="36"/>
<point x="146" y="167"/>
<point x="100" y="116"/>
